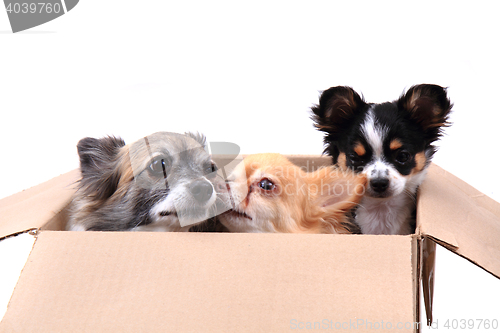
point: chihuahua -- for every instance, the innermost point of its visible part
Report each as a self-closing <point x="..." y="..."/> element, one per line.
<point x="270" y="194"/>
<point x="163" y="182"/>
<point x="391" y="143"/>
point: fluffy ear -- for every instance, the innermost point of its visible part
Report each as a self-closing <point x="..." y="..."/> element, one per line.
<point x="337" y="108"/>
<point x="337" y="105"/>
<point x="98" y="157"/>
<point x="96" y="154"/>
<point x="429" y="106"/>
<point x="338" y="192"/>
<point x="341" y="190"/>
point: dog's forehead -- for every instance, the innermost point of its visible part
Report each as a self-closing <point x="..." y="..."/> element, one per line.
<point x="396" y="129"/>
<point x="171" y="143"/>
<point x="255" y="169"/>
<point x="385" y="112"/>
<point x="179" y="148"/>
<point x="280" y="173"/>
<point x="385" y="127"/>
<point x="373" y="131"/>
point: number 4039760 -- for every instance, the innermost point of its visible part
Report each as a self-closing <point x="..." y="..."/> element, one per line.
<point x="471" y="324"/>
<point x="33" y="7"/>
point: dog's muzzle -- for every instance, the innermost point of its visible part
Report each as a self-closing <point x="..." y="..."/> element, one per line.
<point x="201" y="190"/>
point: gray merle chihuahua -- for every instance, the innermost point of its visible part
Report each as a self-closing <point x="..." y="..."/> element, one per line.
<point x="163" y="182"/>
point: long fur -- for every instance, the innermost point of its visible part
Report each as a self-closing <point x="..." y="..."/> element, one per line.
<point x="391" y="143"/>
<point x="294" y="202"/>
<point x="147" y="185"/>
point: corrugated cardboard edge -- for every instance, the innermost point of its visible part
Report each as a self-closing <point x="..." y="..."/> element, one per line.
<point x="427" y="262"/>
<point x="33" y="208"/>
<point x="416" y="272"/>
<point x="34" y="234"/>
<point x="468" y="225"/>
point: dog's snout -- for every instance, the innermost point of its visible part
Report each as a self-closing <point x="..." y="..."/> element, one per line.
<point x="201" y="190"/>
<point x="379" y="184"/>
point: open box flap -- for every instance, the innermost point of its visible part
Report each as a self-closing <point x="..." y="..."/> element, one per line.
<point x="427" y="266"/>
<point x="460" y="218"/>
<point x="34" y="207"/>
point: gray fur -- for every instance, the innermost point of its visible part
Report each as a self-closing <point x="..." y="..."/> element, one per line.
<point x="120" y="189"/>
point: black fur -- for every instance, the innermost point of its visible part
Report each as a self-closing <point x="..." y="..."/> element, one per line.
<point x="416" y="121"/>
<point x="384" y="141"/>
<point x="431" y="110"/>
<point x="339" y="110"/>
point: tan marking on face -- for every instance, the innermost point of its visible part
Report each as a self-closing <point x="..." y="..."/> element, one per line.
<point x="395" y="144"/>
<point x="124" y="173"/>
<point x="420" y="161"/>
<point x="359" y="149"/>
<point x="341" y="161"/>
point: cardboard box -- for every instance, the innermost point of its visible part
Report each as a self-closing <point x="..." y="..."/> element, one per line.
<point x="221" y="282"/>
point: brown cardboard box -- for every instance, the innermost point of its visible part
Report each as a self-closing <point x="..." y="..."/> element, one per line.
<point x="220" y="282"/>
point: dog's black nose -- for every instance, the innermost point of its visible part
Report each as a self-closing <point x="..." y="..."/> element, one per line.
<point x="379" y="184"/>
<point x="201" y="190"/>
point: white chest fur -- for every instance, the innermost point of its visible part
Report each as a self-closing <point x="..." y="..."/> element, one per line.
<point x="386" y="216"/>
<point x="390" y="216"/>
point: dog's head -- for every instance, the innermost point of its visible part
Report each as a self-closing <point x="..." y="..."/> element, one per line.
<point x="391" y="143"/>
<point x="163" y="181"/>
<point x="271" y="194"/>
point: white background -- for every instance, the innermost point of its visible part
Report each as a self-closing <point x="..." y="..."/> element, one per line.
<point x="247" y="72"/>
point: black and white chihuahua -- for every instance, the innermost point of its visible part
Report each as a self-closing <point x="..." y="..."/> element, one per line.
<point x="163" y="182"/>
<point x="391" y="143"/>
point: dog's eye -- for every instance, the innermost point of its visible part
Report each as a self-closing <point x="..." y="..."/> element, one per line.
<point x="211" y="168"/>
<point x="158" y="167"/>
<point x="266" y="184"/>
<point x="355" y="159"/>
<point x="403" y="157"/>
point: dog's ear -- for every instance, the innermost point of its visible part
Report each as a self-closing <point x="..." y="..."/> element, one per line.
<point x="338" y="192"/>
<point x="427" y="105"/>
<point x="96" y="154"/>
<point x="337" y="105"/>
<point x="333" y="115"/>
<point x="100" y="175"/>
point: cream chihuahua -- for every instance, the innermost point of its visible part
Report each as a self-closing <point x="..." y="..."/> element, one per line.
<point x="268" y="193"/>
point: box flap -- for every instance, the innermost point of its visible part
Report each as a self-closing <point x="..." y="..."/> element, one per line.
<point x="427" y="267"/>
<point x="213" y="282"/>
<point x="32" y="208"/>
<point x="460" y="218"/>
